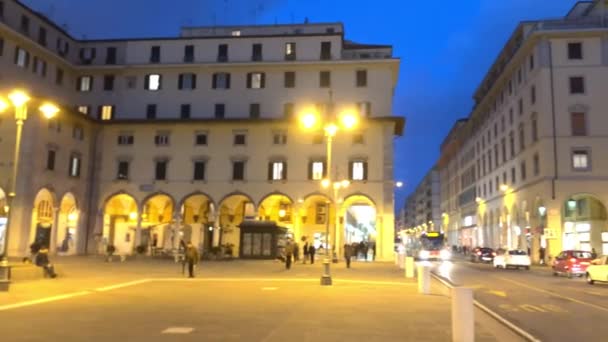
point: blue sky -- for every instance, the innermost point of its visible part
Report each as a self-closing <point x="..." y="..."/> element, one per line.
<point x="445" y="46"/>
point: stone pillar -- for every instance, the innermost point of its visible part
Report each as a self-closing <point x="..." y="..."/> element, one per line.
<point x="54" y="230"/>
<point x="138" y="231"/>
<point x="554" y="222"/>
<point x="216" y="233"/>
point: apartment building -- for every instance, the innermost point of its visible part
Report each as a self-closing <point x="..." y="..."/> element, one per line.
<point x="422" y="208"/>
<point x="528" y="169"/>
<point x="192" y="137"/>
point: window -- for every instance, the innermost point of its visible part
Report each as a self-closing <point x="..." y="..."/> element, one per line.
<point x="160" y="170"/>
<point x="533" y="94"/>
<point x="279" y="138"/>
<point x="503" y="147"/>
<point x="200" y="138"/>
<point x="106" y="112"/>
<point x="1" y="10"/>
<point x="503" y="125"/>
<point x="536" y="164"/>
<point x="39" y="66"/>
<point x="290" y="79"/>
<point x="199" y="170"/>
<point x="519" y="78"/>
<point x="84" y="109"/>
<point x="74" y="166"/>
<point x="184" y="111"/>
<point x="153" y="82"/>
<point x="161" y="139"/>
<point x="58" y="76"/>
<point x="534" y="128"/>
<point x="50" y="160"/>
<point x="365" y="108"/>
<point x="325" y="50"/>
<point x="577" y="85"/>
<point x="520" y="106"/>
<point x="238" y="170"/>
<point x="22" y="58"/>
<point x="522" y="137"/>
<point x="42" y="36"/>
<point x="513" y="175"/>
<point x="78" y="132"/>
<point x="578" y="124"/>
<point x="85" y="83"/>
<point x="510" y="116"/>
<point x="522" y="169"/>
<point x="111" y="55"/>
<point x="256" y="80"/>
<point x="288" y="110"/>
<point x="316" y="170"/>
<point x="531" y="62"/>
<point x="189" y="54"/>
<point x="290" y="51"/>
<point x="87" y="55"/>
<point x="240" y="139"/>
<point x="222" y="53"/>
<point x="186" y="81"/>
<point x="358" y="138"/>
<point x="221" y="80"/>
<point x="510" y="87"/>
<point x="151" y="111"/>
<point x="324" y="79"/>
<point x="496" y="160"/>
<point x="358" y="170"/>
<point x="220" y="110"/>
<point x="25" y="25"/>
<point x="361" y="78"/>
<point x="277" y="170"/>
<point x="254" y="110"/>
<point x="236" y="33"/>
<point x="575" y="51"/>
<point x="125" y="139"/>
<point x="108" y="82"/>
<point x="155" y="54"/>
<point x="256" y="52"/>
<point x="131" y="82"/>
<point x="63" y="47"/>
<point x="580" y="160"/>
<point x="1" y="46"/>
<point x="123" y="170"/>
<point x="512" y="144"/>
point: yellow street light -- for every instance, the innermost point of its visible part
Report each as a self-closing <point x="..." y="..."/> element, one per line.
<point x="49" y="110"/>
<point x="504" y="187"/>
<point x="18" y="98"/>
<point x="331" y="129"/>
<point x="325" y="183"/>
<point x="132" y="216"/>
<point x="3" y="105"/>
<point x="479" y="200"/>
<point x="345" y="183"/>
<point x="309" y="120"/>
<point x="349" y="120"/>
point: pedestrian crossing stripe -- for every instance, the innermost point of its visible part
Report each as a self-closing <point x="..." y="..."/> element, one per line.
<point x="177" y="330"/>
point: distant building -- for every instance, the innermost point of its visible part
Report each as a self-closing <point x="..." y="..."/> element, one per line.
<point x="422" y="207"/>
<point x="525" y="169"/>
<point x="184" y="138"/>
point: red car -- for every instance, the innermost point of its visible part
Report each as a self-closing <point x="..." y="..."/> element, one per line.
<point x="572" y="263"/>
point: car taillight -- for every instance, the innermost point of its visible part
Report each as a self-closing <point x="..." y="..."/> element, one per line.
<point x="572" y="259"/>
<point x="493" y="254"/>
<point x="478" y="253"/>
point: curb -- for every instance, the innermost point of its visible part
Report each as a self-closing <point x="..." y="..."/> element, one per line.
<point x="519" y="331"/>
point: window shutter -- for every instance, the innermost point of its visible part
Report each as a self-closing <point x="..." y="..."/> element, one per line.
<point x="93" y="53"/>
<point x="249" y="80"/>
<point x="99" y="111"/>
<point x="78" y="81"/>
<point x="364" y="170"/>
<point x="147" y="82"/>
<point x="310" y="170"/>
<point x="193" y="81"/>
<point x="270" y="171"/>
<point x="227" y="81"/>
<point x="160" y="82"/>
<point x="214" y="82"/>
<point x="325" y="169"/>
<point x="180" y="82"/>
<point x="350" y="170"/>
<point x="284" y="175"/>
<point x="263" y="82"/>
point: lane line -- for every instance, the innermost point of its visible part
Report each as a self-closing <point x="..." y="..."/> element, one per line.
<point x="44" y="300"/>
<point x="555" y="294"/>
<point x="121" y="285"/>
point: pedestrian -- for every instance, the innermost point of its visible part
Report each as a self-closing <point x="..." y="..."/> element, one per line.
<point x="593" y="253"/>
<point x="288" y="254"/>
<point x="42" y="260"/>
<point x="296" y="252"/>
<point x="541" y="255"/>
<point x="364" y="250"/>
<point x="374" y="250"/>
<point x="348" y="254"/>
<point x="305" y="251"/>
<point x="311" y="253"/>
<point x="192" y="258"/>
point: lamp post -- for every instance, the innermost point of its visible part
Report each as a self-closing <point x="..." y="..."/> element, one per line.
<point x="330" y="124"/>
<point x="19" y="100"/>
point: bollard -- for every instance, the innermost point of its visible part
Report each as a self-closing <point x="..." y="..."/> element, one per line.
<point x="396" y="258"/>
<point x="463" y="320"/>
<point x="409" y="267"/>
<point x="326" y="277"/>
<point x="424" y="279"/>
<point x="401" y="261"/>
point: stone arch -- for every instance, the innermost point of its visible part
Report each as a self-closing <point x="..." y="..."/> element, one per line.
<point x="197" y="193"/>
<point x="66" y="234"/>
<point x="198" y="212"/>
<point x="585" y="220"/>
<point x="277" y="207"/>
<point x="43" y="217"/>
<point x="120" y="217"/>
<point x="235" y="193"/>
<point x="357" y="220"/>
<point x="275" y="193"/>
<point x="316" y="214"/>
<point x="232" y="210"/>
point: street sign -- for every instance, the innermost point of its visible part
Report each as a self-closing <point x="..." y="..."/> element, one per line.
<point x="146" y="187"/>
<point x="550" y="233"/>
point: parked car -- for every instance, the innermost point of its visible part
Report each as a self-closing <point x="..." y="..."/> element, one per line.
<point x="598" y="270"/>
<point x="572" y="262"/>
<point x="512" y="258"/>
<point x="483" y="254"/>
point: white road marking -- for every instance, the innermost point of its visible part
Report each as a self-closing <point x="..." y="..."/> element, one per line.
<point x="121" y="285"/>
<point x="269" y="288"/>
<point x="177" y="330"/>
<point x="43" y="300"/>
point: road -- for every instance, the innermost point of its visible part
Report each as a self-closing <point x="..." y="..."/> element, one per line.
<point x="548" y="307"/>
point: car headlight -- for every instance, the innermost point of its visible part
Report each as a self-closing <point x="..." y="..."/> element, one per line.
<point x="445" y="254"/>
<point x="424" y="254"/>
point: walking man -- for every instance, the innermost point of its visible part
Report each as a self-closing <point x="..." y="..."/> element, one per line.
<point x="192" y="258"/>
<point x="288" y="254"/>
<point x="348" y="254"/>
<point x="42" y="260"/>
<point x="311" y="253"/>
<point x="306" y="251"/>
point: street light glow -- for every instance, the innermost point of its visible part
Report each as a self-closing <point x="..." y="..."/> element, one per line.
<point x="18" y="98"/>
<point x="308" y="120"/>
<point x="132" y="215"/>
<point x="345" y="183"/>
<point x="3" y="105"/>
<point x="331" y="129"/>
<point x="504" y="187"/>
<point x="325" y="183"/>
<point x="49" y="110"/>
<point x="399" y="184"/>
<point x="282" y="213"/>
<point x="349" y="120"/>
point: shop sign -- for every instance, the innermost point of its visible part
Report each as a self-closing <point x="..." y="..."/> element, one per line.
<point x="550" y="233"/>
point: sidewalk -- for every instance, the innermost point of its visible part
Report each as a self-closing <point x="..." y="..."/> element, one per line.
<point x="379" y="292"/>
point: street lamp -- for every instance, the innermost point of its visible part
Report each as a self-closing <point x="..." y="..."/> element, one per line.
<point x="331" y="123"/>
<point x="19" y="100"/>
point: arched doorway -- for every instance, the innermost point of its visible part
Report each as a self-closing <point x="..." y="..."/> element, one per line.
<point x="357" y="224"/>
<point x="198" y="215"/>
<point x="158" y="228"/>
<point x="120" y="223"/>
<point x="317" y="214"/>
<point x="277" y="208"/>
<point x="233" y="210"/>
<point x="43" y="217"/>
<point x="585" y="226"/>
<point x="67" y="225"/>
<point x="3" y="221"/>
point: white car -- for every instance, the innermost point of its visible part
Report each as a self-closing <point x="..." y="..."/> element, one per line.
<point x="512" y="258"/>
<point x="598" y="270"/>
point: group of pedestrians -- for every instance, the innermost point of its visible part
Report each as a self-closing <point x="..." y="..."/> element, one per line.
<point x="291" y="253"/>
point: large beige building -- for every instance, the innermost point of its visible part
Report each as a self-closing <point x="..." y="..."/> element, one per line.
<point x="525" y="170"/>
<point x="192" y="137"/>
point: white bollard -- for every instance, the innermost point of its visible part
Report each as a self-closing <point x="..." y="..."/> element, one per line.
<point x="401" y="260"/>
<point x="396" y="258"/>
<point x="424" y="279"/>
<point x="409" y="267"/>
<point x="463" y="320"/>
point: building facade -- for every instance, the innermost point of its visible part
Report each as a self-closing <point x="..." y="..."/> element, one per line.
<point x="422" y="209"/>
<point x="185" y="138"/>
<point x="529" y="172"/>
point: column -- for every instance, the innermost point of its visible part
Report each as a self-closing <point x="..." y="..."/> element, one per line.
<point x="337" y="232"/>
<point x="554" y="222"/>
<point x="216" y="232"/>
<point x="138" y="231"/>
<point x="54" y="229"/>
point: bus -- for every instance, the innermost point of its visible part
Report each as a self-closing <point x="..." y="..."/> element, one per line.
<point x="433" y="247"/>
